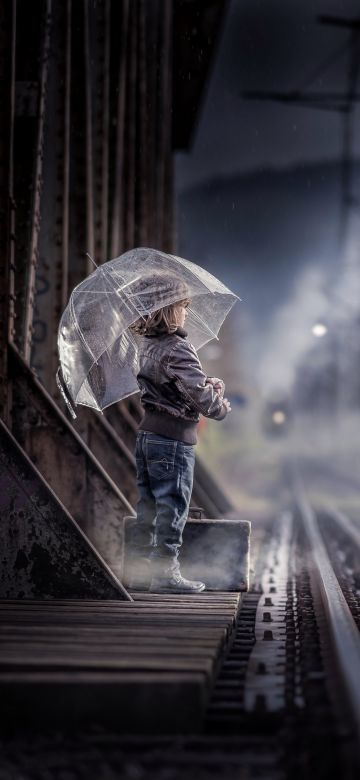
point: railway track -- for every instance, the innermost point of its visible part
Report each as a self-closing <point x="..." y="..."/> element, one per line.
<point x="342" y="540"/>
<point x="336" y="584"/>
<point x="282" y="664"/>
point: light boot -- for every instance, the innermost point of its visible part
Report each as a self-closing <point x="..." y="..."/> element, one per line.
<point x="170" y="580"/>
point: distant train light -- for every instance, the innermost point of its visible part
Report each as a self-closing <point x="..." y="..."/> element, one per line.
<point x="278" y="417"/>
<point x="319" y="330"/>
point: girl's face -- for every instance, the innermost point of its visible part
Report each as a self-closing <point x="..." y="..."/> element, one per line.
<point x="181" y="312"/>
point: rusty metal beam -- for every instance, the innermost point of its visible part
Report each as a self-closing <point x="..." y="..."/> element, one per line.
<point x="52" y="265"/>
<point x="27" y="44"/>
<point x="89" y="172"/>
<point x="78" y="219"/>
<point x="120" y="24"/>
<point x="142" y="232"/>
<point x="152" y="11"/>
<point x="44" y="552"/>
<point x="37" y="186"/>
<point x="130" y="128"/>
<point x="66" y="159"/>
<point x="111" y="451"/>
<point x="164" y="190"/>
<point x="7" y="204"/>
<point x="100" y="82"/>
<point x="68" y="465"/>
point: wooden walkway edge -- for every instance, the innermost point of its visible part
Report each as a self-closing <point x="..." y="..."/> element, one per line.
<point x="145" y="666"/>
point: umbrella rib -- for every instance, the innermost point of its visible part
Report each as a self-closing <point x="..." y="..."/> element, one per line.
<point x="77" y="326"/>
<point x="206" y="327"/>
<point x="120" y="290"/>
<point x="97" y="292"/>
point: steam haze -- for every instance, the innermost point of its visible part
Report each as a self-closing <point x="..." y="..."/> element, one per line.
<point x="261" y="205"/>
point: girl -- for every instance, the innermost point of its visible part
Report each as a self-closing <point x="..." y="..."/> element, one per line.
<point x="174" y="392"/>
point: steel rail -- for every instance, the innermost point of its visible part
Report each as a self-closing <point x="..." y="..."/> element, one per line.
<point x="345" y="635"/>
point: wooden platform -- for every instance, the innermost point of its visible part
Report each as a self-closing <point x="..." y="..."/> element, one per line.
<point x="142" y="666"/>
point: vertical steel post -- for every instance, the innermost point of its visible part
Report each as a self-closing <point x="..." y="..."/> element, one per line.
<point x="103" y="216"/>
<point x="130" y="130"/>
<point x="117" y="207"/>
<point x="142" y="177"/>
<point x="89" y="180"/>
<point x="66" y="179"/>
<point x="51" y="270"/>
<point x="7" y="204"/>
<point x="164" y="130"/>
<point x="152" y="67"/>
<point x="35" y="216"/>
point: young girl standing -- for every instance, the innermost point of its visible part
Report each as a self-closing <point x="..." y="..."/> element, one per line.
<point x="174" y="392"/>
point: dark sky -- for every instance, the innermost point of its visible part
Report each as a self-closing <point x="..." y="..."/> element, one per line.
<point x="267" y="45"/>
<point x="272" y="235"/>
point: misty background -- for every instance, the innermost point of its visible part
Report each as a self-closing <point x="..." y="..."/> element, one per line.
<point x="262" y="203"/>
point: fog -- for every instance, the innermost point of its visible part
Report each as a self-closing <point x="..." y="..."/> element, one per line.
<point x="262" y="205"/>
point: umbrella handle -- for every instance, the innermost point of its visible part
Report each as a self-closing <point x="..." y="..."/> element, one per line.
<point x="63" y="391"/>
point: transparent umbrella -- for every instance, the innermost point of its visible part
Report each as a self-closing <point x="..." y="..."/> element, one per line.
<point x="98" y="352"/>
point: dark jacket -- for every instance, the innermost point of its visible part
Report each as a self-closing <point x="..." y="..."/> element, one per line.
<point x="174" y="389"/>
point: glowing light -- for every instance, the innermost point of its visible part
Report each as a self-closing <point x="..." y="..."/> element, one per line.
<point x="278" y="417"/>
<point x="319" y="330"/>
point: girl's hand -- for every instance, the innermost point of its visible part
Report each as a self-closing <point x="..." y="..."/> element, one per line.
<point x="217" y="384"/>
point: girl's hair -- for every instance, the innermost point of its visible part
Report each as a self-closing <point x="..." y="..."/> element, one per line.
<point x="159" y="322"/>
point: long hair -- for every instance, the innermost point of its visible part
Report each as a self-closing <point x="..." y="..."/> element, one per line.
<point x="159" y="322"/>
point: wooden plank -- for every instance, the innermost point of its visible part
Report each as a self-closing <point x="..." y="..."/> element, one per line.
<point x="167" y="598"/>
<point x="33" y="639"/>
<point x="156" y="613"/>
<point x="137" y="608"/>
<point x="66" y="652"/>
<point x="137" y="631"/>
<point x="170" y="663"/>
<point x="100" y="651"/>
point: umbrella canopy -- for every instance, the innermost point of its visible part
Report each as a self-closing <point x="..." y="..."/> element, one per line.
<point x="98" y="353"/>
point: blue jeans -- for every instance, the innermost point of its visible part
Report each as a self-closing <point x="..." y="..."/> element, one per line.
<point x="165" y="472"/>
